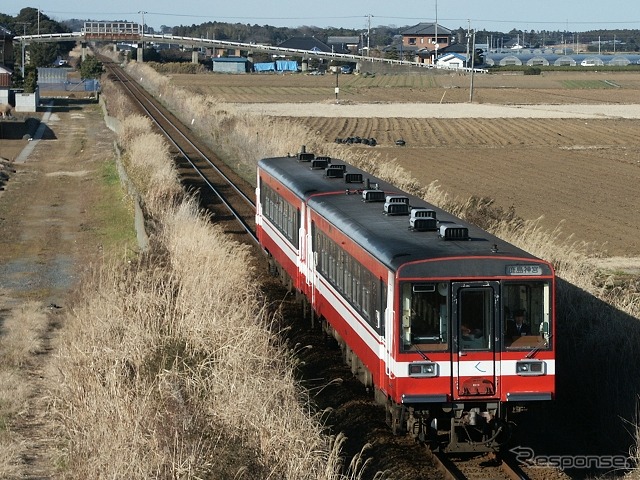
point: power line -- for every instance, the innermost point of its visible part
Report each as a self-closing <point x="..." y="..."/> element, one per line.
<point x="343" y="17"/>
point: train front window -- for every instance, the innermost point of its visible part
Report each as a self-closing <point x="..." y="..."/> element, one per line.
<point x="527" y="315"/>
<point x="424" y="316"/>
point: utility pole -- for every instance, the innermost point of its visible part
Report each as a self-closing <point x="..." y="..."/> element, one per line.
<point x="435" y="58"/>
<point x="468" y="40"/>
<point x="24" y="33"/>
<point x="473" y="64"/>
<point x="142" y="12"/>
<point x="369" y="37"/>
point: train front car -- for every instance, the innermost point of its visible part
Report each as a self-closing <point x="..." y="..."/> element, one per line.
<point x="462" y="362"/>
<point x="451" y="325"/>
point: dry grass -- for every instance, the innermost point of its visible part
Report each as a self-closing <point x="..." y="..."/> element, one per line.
<point x="238" y="139"/>
<point x="10" y="461"/>
<point x="181" y="376"/>
<point x="22" y="338"/>
<point x="24" y="331"/>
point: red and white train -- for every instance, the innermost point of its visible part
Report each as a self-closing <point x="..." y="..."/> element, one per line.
<point x="421" y="303"/>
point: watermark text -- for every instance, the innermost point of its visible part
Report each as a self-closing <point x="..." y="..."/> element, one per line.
<point x="527" y="456"/>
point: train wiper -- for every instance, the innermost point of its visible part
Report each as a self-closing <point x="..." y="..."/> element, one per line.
<point x="422" y="354"/>
<point x="543" y="342"/>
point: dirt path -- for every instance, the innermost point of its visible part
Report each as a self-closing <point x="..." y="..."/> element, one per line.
<point x="49" y="231"/>
<point x="436" y="110"/>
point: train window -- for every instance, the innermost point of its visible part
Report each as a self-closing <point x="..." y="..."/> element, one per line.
<point x="284" y="216"/>
<point x="366" y="299"/>
<point x="424" y="317"/>
<point x="349" y="277"/>
<point x="356" y="282"/>
<point x="527" y="315"/>
<point x="475" y="307"/>
<point x="341" y="270"/>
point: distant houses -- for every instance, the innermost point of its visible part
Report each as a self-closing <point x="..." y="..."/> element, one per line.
<point x="6" y="64"/>
<point x="425" y="41"/>
<point x="452" y="60"/>
<point x="6" y="57"/>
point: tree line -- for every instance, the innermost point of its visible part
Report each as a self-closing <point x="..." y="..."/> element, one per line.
<point x="30" y="21"/>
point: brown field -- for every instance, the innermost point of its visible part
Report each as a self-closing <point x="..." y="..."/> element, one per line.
<point x="425" y="87"/>
<point x="579" y="173"/>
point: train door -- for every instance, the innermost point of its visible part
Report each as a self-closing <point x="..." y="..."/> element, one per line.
<point x="387" y="330"/>
<point x="475" y="308"/>
<point x="314" y="250"/>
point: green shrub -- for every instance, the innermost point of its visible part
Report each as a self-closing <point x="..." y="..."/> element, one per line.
<point x="533" y="71"/>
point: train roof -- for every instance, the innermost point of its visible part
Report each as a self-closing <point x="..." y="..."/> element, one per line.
<point x="387" y="237"/>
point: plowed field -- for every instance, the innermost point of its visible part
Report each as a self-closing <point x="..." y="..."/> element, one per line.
<point x="580" y="172"/>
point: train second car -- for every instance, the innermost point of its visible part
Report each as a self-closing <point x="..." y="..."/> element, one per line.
<point x="452" y="326"/>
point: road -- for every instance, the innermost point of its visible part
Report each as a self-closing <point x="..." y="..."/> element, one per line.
<point x="431" y="110"/>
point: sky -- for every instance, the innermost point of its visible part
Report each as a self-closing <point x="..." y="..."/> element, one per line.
<point x="496" y="15"/>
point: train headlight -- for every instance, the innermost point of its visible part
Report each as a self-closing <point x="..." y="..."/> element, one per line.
<point x="423" y="369"/>
<point x="531" y="368"/>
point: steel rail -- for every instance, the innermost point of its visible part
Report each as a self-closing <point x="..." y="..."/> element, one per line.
<point x="129" y="84"/>
<point x="203" y="155"/>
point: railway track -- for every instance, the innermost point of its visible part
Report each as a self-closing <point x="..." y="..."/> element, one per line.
<point x="490" y="466"/>
<point x="230" y="199"/>
<point x="221" y="191"/>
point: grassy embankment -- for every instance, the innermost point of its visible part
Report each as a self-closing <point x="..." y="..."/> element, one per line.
<point x="597" y="313"/>
<point x="167" y="366"/>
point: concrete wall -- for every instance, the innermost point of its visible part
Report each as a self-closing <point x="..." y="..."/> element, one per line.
<point x="112" y="122"/>
<point x="27" y="102"/>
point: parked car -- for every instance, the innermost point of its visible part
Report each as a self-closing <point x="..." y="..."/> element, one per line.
<point x="346" y="69"/>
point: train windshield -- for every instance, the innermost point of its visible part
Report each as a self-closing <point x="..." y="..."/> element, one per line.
<point x="425" y="316"/>
<point x="527" y="315"/>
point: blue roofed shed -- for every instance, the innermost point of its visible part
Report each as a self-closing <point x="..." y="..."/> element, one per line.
<point x="230" y="64"/>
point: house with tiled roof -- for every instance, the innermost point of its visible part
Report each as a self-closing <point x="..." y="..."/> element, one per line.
<point x="306" y="43"/>
<point x="344" y="44"/>
<point x="424" y="39"/>
<point x="6" y="57"/>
